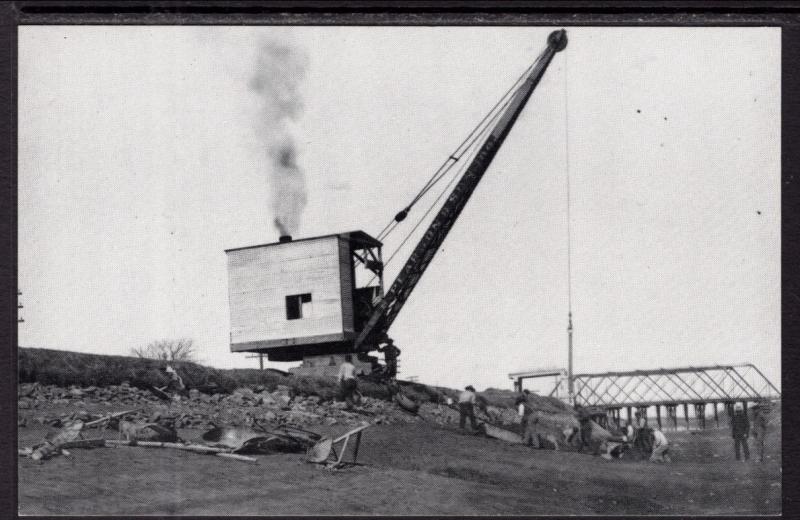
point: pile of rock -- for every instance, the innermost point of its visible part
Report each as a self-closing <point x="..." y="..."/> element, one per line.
<point x="34" y="395"/>
<point x="243" y="407"/>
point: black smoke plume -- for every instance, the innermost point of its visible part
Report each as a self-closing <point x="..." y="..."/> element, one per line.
<point x="279" y="72"/>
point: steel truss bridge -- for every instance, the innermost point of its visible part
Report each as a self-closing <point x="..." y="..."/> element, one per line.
<point x="697" y="386"/>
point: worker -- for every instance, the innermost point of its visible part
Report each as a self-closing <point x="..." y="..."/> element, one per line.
<point x="641" y="421"/>
<point x="522" y="399"/>
<point x="642" y="435"/>
<point x="586" y="432"/>
<point x="390" y="355"/>
<point x="175" y="382"/>
<point x="630" y="432"/>
<point x="570" y="435"/>
<point x="740" y="429"/>
<point x="347" y="380"/>
<point x="528" y="419"/>
<point x="466" y="402"/>
<point x="660" y="447"/>
<point x="760" y="422"/>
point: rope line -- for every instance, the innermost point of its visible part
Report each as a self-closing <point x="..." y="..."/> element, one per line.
<point x="470" y="151"/>
<point x="569" y="218"/>
<point x="465" y="145"/>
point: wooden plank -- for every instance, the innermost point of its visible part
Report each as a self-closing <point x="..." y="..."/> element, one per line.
<point x="260" y="279"/>
<point x="306" y="340"/>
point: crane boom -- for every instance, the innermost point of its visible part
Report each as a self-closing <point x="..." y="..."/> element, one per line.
<point x="387" y="309"/>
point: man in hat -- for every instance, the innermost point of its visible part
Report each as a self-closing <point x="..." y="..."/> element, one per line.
<point x="390" y="354"/>
<point x="466" y="403"/>
<point x="740" y="429"/>
<point x="760" y="422"/>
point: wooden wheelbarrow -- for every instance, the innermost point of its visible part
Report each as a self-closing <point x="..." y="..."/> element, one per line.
<point x="324" y="451"/>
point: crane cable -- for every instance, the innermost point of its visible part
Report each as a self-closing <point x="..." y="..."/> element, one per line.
<point x="570" y="375"/>
<point x="458" y="153"/>
<point x="468" y="143"/>
<point x="569" y="219"/>
<point x="470" y="150"/>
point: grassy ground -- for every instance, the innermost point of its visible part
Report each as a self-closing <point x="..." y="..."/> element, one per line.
<point x="417" y="468"/>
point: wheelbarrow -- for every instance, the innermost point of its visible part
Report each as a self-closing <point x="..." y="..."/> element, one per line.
<point x="325" y="452"/>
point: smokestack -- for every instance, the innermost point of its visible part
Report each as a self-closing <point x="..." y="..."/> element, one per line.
<point x="285" y="238"/>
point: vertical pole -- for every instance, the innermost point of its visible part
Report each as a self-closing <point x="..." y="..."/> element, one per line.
<point x="674" y="416"/>
<point x="658" y="415"/>
<point x="716" y="414"/>
<point x="630" y="415"/>
<point x="703" y="413"/>
<point x="570" y="383"/>
<point x="261" y="361"/>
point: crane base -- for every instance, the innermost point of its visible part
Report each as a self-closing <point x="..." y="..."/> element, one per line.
<point x="328" y="366"/>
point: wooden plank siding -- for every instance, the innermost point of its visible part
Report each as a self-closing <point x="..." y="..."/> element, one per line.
<point x="260" y="278"/>
<point x="347" y="284"/>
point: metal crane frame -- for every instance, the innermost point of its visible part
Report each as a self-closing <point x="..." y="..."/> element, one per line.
<point x="405" y="282"/>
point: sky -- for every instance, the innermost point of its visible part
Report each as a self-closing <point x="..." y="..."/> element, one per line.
<point x="142" y="158"/>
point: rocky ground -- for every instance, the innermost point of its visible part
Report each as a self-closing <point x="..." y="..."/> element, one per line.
<point x="46" y="405"/>
<point x="417" y="465"/>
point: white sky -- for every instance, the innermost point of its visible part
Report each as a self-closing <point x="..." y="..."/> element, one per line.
<point x="140" y="162"/>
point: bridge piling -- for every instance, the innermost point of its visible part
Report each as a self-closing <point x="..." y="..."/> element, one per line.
<point x="686" y="416"/>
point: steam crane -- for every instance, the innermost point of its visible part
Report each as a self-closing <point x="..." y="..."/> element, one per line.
<point x="303" y="299"/>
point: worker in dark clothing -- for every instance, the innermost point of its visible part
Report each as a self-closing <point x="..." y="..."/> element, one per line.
<point x="740" y="428"/>
<point x="390" y="354"/>
<point x="586" y="432"/>
<point x="466" y="403"/>
<point x="760" y="423"/>
<point x="529" y="422"/>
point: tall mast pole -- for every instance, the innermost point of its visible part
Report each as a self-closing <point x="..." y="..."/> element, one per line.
<point x="570" y="385"/>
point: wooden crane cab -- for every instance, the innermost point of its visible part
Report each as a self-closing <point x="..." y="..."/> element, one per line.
<point x="305" y="299"/>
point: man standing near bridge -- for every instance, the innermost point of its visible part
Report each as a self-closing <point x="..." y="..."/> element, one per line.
<point x="740" y="428"/>
<point x="760" y="421"/>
